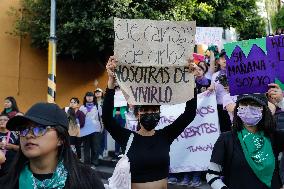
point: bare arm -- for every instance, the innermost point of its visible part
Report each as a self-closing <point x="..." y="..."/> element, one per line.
<point x="2" y="157"/>
<point x="211" y="69"/>
<point x="119" y="134"/>
<point x="12" y="147"/>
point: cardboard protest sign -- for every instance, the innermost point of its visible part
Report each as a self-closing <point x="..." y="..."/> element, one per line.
<point x="209" y="36"/>
<point x="275" y="48"/>
<point x="253" y="64"/>
<point x="152" y="58"/>
<point x="191" y="151"/>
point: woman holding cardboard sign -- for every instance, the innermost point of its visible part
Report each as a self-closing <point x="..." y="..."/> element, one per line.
<point x="149" y="151"/>
<point x="219" y="83"/>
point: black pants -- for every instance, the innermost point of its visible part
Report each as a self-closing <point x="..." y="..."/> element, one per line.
<point x="281" y="171"/>
<point x="279" y="118"/>
<point x="224" y="119"/>
<point x="78" y="147"/>
<point x="76" y="141"/>
<point x="91" y="144"/>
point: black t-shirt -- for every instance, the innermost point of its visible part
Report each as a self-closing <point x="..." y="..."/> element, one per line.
<point x="237" y="173"/>
<point x="148" y="155"/>
<point x="10" y="154"/>
<point x="42" y="177"/>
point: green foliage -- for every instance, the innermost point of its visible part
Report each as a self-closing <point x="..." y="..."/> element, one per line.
<point x="240" y="14"/>
<point x="256" y="27"/>
<point x="85" y="27"/>
<point x="191" y="10"/>
<point x="272" y="8"/>
<point x="278" y="19"/>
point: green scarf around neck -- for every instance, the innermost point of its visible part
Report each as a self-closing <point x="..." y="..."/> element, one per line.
<point x="28" y="181"/>
<point x="258" y="152"/>
<point x="8" y="110"/>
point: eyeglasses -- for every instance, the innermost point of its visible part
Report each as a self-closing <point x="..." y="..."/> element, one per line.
<point x="37" y="131"/>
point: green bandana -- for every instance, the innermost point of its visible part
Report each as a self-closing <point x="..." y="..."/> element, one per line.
<point x="28" y="181"/>
<point x="259" y="154"/>
<point x="8" y="110"/>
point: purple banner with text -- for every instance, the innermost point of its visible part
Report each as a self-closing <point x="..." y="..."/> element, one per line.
<point x="253" y="64"/>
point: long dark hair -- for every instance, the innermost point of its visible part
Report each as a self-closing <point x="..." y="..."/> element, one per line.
<point x="75" y="99"/>
<point x="96" y="99"/>
<point x="13" y="102"/>
<point x="71" y="117"/>
<point x="79" y="175"/>
<point x="205" y="69"/>
<point x="85" y="100"/>
<point x="267" y="123"/>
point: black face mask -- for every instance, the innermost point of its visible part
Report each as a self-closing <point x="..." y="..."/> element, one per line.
<point x="149" y="120"/>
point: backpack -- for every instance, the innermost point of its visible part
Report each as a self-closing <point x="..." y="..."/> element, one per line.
<point x="121" y="177"/>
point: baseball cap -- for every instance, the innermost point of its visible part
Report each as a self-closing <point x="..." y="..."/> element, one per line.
<point x="99" y="89"/>
<point x="89" y="94"/>
<point x="47" y="114"/>
<point x="260" y="98"/>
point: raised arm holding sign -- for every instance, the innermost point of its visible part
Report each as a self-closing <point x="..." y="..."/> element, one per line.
<point x="151" y="69"/>
<point x="149" y="152"/>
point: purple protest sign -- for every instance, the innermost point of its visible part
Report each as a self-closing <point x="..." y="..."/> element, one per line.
<point x="250" y="74"/>
<point x="275" y="50"/>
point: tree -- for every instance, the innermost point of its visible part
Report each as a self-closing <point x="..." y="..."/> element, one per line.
<point x="272" y="7"/>
<point x="85" y="28"/>
<point x="278" y="19"/>
<point x="240" y="14"/>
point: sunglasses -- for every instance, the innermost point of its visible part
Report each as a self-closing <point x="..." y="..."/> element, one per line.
<point x="37" y="131"/>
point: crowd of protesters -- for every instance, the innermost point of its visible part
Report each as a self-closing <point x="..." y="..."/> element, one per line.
<point x="42" y="148"/>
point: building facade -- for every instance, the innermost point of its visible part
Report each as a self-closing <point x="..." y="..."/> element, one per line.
<point x="23" y="69"/>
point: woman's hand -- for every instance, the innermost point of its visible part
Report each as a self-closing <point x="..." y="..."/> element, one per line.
<point x="211" y="88"/>
<point x="275" y="94"/>
<point x="8" y="146"/>
<point x="2" y="157"/>
<point x="110" y="66"/>
<point x="12" y="147"/>
<point x="3" y="145"/>
<point x="191" y="64"/>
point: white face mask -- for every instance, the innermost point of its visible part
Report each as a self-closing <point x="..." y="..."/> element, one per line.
<point x="250" y="115"/>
